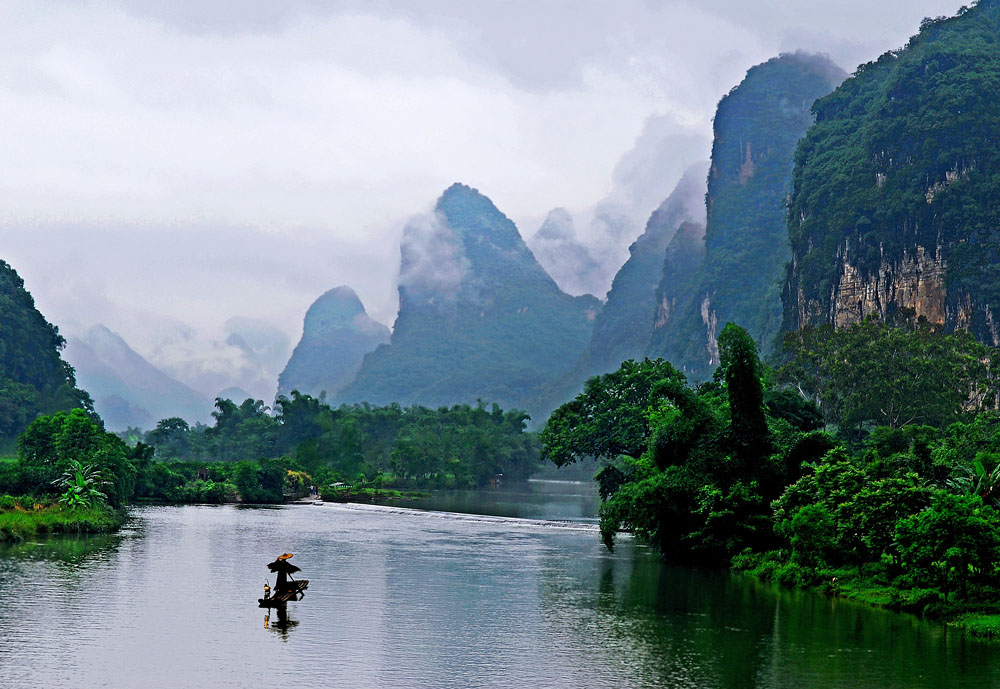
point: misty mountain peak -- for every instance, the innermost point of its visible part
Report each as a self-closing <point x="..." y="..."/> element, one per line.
<point x="101" y="337"/>
<point x="336" y="335"/>
<point x="478" y="315"/>
<point x="473" y="217"/>
<point x="558" y="226"/>
<point x="338" y="307"/>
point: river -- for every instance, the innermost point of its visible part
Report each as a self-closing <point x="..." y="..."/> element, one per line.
<point x="416" y="598"/>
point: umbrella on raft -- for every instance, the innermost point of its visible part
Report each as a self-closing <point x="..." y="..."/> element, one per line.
<point x="285" y="588"/>
<point x="281" y="564"/>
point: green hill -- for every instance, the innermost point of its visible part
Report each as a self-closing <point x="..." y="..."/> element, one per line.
<point x="479" y="318"/>
<point x="336" y="335"/>
<point x="34" y="379"/>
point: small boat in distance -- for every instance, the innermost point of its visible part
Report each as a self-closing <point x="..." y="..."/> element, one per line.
<point x="285" y="587"/>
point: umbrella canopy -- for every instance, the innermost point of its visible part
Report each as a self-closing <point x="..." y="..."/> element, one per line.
<point x="281" y="564"/>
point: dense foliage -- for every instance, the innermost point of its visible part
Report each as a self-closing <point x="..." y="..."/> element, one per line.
<point x="70" y="452"/>
<point x="757" y="126"/>
<point x="457" y="446"/>
<point x="904" y="155"/>
<point x="736" y="471"/>
<point x="873" y="374"/>
<point x="34" y="379"/>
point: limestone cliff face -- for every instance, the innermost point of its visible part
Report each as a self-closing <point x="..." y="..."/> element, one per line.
<point x="737" y="277"/>
<point x="893" y="203"/>
<point x="914" y="284"/>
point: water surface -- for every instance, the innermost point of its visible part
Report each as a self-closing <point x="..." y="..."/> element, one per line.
<point x="406" y="598"/>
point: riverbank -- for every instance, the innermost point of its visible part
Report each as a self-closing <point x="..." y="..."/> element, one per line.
<point x="346" y="493"/>
<point x="20" y="523"/>
<point x="980" y="619"/>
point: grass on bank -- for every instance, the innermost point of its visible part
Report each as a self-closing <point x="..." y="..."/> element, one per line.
<point x="980" y="619"/>
<point x="22" y="518"/>
<point x="347" y="493"/>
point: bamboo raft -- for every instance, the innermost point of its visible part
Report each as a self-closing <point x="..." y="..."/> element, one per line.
<point x="285" y="588"/>
<point x="295" y="592"/>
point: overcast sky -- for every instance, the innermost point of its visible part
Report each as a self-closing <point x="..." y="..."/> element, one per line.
<point x="171" y="165"/>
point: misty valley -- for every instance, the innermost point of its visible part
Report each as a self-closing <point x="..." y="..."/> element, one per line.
<point x="736" y="423"/>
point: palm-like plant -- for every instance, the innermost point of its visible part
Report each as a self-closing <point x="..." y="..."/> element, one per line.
<point x="82" y="483"/>
<point x="978" y="480"/>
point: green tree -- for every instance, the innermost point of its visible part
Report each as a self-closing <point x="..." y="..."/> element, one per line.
<point x="813" y="535"/>
<point x="609" y="418"/>
<point x="874" y="373"/>
<point x="952" y="542"/>
<point x="51" y="443"/>
<point x="742" y="371"/>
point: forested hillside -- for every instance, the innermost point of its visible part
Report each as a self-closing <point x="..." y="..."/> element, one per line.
<point x="893" y="205"/>
<point x="34" y="379"/>
<point x="479" y="318"/>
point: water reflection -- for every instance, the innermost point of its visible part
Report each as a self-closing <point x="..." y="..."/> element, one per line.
<point x="709" y="628"/>
<point x="399" y="598"/>
<point x="283" y="624"/>
<point x="71" y="550"/>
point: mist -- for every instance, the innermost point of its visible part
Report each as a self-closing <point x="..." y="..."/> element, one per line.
<point x="173" y="166"/>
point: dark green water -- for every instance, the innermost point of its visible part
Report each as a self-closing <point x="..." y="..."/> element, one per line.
<point x="402" y="598"/>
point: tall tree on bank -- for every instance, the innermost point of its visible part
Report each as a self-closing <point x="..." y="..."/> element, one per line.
<point x="744" y="386"/>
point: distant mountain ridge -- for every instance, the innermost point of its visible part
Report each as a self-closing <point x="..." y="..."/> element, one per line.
<point x="127" y="389"/>
<point x="480" y="318"/>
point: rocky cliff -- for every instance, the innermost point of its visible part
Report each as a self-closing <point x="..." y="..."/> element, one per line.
<point x="893" y="204"/>
<point x="756" y="128"/>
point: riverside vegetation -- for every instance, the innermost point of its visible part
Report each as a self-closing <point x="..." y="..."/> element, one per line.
<point x="70" y="474"/>
<point x="878" y="480"/>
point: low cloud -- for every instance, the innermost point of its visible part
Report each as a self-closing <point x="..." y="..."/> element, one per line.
<point x="433" y="264"/>
<point x="211" y="366"/>
<point x="185" y="163"/>
<point x="586" y="261"/>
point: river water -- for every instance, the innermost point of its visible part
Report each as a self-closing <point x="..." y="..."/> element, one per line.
<point x="415" y="598"/>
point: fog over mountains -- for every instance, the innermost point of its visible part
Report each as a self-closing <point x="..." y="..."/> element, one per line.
<point x="183" y="164"/>
<point x="205" y="270"/>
